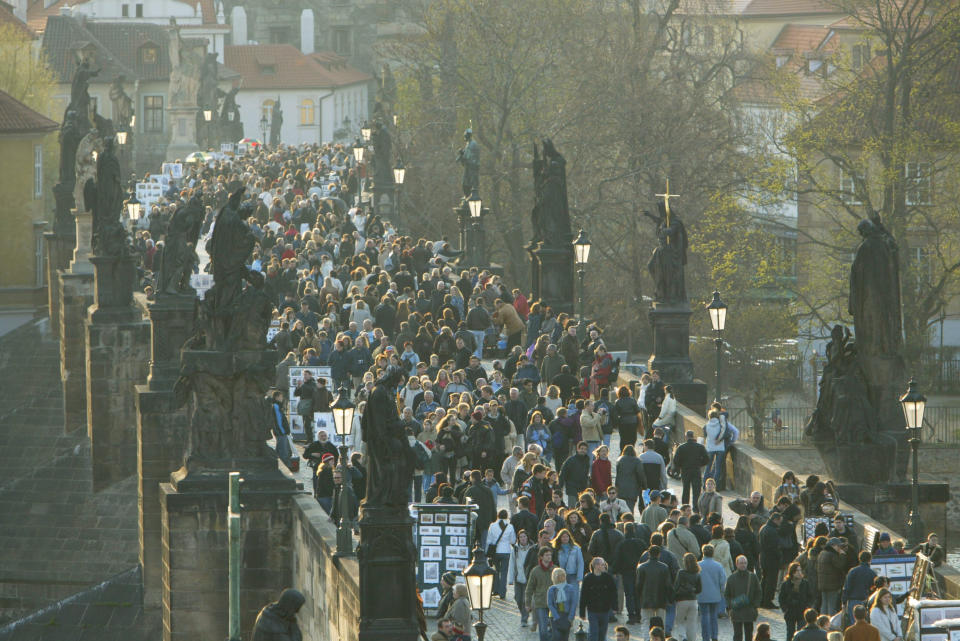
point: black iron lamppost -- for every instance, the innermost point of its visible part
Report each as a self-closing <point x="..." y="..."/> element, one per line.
<point x="479" y="578"/>
<point x="475" y="207"/>
<point x="581" y="634"/>
<point x="914" y="403"/>
<point x="399" y="173"/>
<point x="718" y="318"/>
<point x="358" y="150"/>
<point x="581" y="254"/>
<point x="365" y="131"/>
<point x="343" y="423"/>
<point x="264" y="125"/>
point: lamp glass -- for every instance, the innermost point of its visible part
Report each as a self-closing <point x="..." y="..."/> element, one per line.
<point x="399" y="173"/>
<point x="914" y="403"/>
<point x="718" y="312"/>
<point x="121" y="137"/>
<point x="358" y="153"/>
<point x="479" y="578"/>
<point x="207" y="115"/>
<point x="133" y="211"/>
<point x="365" y="132"/>
<point x="230" y="116"/>
<point x="475" y="204"/>
<point x="581" y="248"/>
<point x="343" y="411"/>
<point x="133" y="121"/>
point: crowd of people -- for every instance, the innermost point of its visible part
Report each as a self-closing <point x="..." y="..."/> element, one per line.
<point x="585" y="530"/>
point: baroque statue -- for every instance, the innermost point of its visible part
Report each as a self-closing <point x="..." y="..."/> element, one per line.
<point x="186" y="64"/>
<point x="469" y="157"/>
<point x="80" y="91"/>
<point x="85" y="171"/>
<point x="179" y="248"/>
<point x="875" y="291"/>
<point x="389" y="459"/>
<point x="551" y="212"/>
<point x="382" y="155"/>
<point x="276" y="123"/>
<point x="109" y="237"/>
<point x="122" y="103"/>
<point x="669" y="259"/>
<point x="278" y="621"/>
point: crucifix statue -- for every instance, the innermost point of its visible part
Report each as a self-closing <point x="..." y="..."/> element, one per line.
<point x="667" y="264"/>
<point x="666" y="203"/>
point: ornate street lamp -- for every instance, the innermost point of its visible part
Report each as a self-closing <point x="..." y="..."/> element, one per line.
<point x="365" y="131"/>
<point x="475" y="205"/>
<point x="581" y="634"/>
<point x="133" y="210"/>
<point x="399" y="173"/>
<point x="358" y="152"/>
<point x="264" y="124"/>
<point x="581" y="254"/>
<point x="208" y="114"/>
<point x="343" y="423"/>
<point x="121" y="137"/>
<point x="914" y="403"/>
<point x="479" y="578"/>
<point x="718" y="318"/>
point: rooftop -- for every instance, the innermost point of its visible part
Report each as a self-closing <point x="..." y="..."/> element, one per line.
<point x="17" y="118"/>
<point x="283" y="66"/>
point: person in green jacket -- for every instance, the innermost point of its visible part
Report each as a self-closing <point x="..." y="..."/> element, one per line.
<point x="538" y="583"/>
<point x="742" y="593"/>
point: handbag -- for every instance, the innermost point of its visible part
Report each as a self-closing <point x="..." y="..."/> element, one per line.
<point x="492" y="548"/>
<point x="739" y="601"/>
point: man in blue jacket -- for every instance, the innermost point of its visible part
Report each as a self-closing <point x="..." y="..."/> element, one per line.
<point x="857" y="587"/>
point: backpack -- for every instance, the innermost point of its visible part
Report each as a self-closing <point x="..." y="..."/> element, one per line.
<point x="727" y="434"/>
<point x="558" y="439"/>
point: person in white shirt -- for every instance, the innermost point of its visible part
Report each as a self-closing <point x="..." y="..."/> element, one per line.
<point x="668" y="413"/>
<point x="883" y="616"/>
<point x="500" y="537"/>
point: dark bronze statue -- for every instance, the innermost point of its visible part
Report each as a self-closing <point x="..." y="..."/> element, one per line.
<point x="278" y="621"/>
<point x="844" y="414"/>
<point x="551" y="212"/>
<point x="80" y="92"/>
<point x="469" y="157"/>
<point x="276" y="123"/>
<point x="875" y="292"/>
<point x="669" y="259"/>
<point x="180" y="248"/>
<point x="382" y="155"/>
<point x="390" y="464"/>
<point x="109" y="237"/>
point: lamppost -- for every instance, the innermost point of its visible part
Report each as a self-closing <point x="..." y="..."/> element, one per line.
<point x="343" y="423"/>
<point x="479" y="578"/>
<point x="475" y="207"/>
<point x="365" y="131"/>
<point x="133" y="211"/>
<point x="399" y="173"/>
<point x="718" y="318"/>
<point x="358" y="158"/>
<point x="581" y="253"/>
<point x="264" y="124"/>
<point x="207" y="137"/>
<point x="914" y="403"/>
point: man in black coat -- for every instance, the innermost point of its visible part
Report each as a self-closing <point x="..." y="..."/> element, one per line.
<point x="654" y="586"/>
<point x="689" y="458"/>
<point x="769" y="541"/>
<point x="575" y="473"/>
<point x="483" y="498"/>
<point x="524" y="519"/>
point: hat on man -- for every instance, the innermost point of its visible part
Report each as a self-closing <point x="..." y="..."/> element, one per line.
<point x="884" y="536"/>
<point x="655" y="494"/>
<point x="326" y="457"/>
<point x="449" y="578"/>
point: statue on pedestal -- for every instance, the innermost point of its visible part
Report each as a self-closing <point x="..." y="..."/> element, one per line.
<point x="389" y="458"/>
<point x="122" y="103"/>
<point x="844" y="414"/>
<point x="179" y="248"/>
<point x="109" y="237"/>
<point x="276" y="124"/>
<point x="186" y="63"/>
<point x="80" y="91"/>
<point x="669" y="259"/>
<point x="469" y="157"/>
<point x="875" y="291"/>
<point x="85" y="171"/>
<point x="382" y="155"/>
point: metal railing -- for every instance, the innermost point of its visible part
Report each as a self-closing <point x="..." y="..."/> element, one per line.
<point x="783" y="426"/>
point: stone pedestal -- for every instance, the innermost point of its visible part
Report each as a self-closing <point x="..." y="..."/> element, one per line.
<point x="554" y="273"/>
<point x="161" y="432"/>
<point x="534" y="272"/>
<point x="387" y="559"/>
<point x="890" y="502"/>
<point x="183" y="131"/>
<point x="75" y="296"/>
<point x="195" y="550"/>
<point x="383" y="198"/>
<point x="171" y="324"/>
<point x="58" y="248"/>
<point x="80" y="261"/>
<point x="117" y="347"/>
<point x="671" y="353"/>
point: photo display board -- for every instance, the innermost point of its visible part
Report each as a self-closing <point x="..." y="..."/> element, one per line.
<point x="297" y="428"/>
<point x="443" y="535"/>
<point x="925" y="605"/>
<point x="810" y="523"/>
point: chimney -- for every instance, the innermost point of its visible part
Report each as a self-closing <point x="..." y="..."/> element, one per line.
<point x="306" y="31"/>
<point x="238" y="25"/>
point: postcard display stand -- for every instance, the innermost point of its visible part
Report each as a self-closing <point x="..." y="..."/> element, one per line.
<point x="321" y="420"/>
<point x="898" y="568"/>
<point x="925" y="607"/>
<point x="444" y="536"/>
<point x="810" y="523"/>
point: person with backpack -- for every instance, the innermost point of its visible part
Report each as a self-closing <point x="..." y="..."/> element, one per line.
<point x="560" y="438"/>
<point x="575" y="474"/>
<point x="421" y="464"/>
<point x="500" y="539"/>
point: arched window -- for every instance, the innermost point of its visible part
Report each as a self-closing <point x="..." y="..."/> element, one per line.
<point x="308" y="112"/>
<point x="268" y="109"/>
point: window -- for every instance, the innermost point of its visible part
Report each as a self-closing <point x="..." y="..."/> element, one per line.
<point x="860" y="55"/>
<point x="268" y="70"/>
<point x="919" y="182"/>
<point x="37" y="171"/>
<point x="307" y="112"/>
<point x="139" y="10"/>
<point x="125" y="10"/>
<point x="39" y="264"/>
<point x="153" y="114"/>
<point x="267" y="109"/>
<point x="922" y="258"/>
<point x="341" y="41"/>
<point x="149" y="54"/>
<point x="849" y="183"/>
<point x="782" y="60"/>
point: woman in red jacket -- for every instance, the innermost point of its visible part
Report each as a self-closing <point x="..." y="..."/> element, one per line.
<point x="600" y="372"/>
<point x="600" y="472"/>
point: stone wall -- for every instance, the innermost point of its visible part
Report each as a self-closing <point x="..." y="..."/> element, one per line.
<point x="75" y="295"/>
<point x="331" y="584"/>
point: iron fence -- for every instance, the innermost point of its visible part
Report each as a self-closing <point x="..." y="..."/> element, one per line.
<point x="783" y="426"/>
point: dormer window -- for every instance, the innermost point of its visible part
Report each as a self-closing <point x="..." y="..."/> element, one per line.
<point x="268" y="70"/>
<point x="782" y="60"/>
<point x="149" y="54"/>
<point x="813" y="65"/>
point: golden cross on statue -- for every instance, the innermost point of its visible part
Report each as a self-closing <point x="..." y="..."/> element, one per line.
<point x="666" y="203"/>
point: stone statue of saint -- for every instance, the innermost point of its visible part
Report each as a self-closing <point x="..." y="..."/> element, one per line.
<point x="186" y="63"/>
<point x="669" y="259"/>
<point x="80" y="90"/>
<point x="382" y="155"/>
<point x="109" y="237"/>
<point x="278" y="621"/>
<point x="229" y="105"/>
<point x="276" y="123"/>
<point x="122" y="103"/>
<point x="85" y="171"/>
<point x="70" y="136"/>
<point x="207" y="93"/>
<point x="469" y="157"/>
<point x="179" y="248"/>
<point x="551" y="212"/>
<point x="875" y="292"/>
<point x="389" y="458"/>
